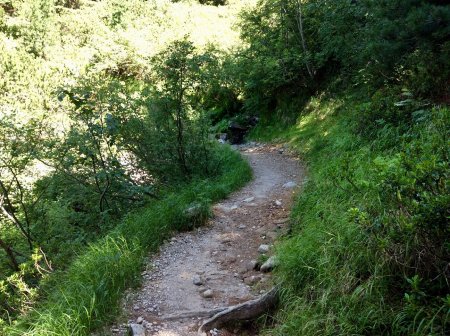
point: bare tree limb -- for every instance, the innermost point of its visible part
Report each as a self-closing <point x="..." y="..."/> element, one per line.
<point x="299" y="19"/>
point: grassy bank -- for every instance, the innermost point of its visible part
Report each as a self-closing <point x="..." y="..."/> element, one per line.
<point x="87" y="294"/>
<point x="369" y="239"/>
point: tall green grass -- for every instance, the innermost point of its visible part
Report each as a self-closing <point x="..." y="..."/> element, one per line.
<point x="337" y="269"/>
<point x="87" y="294"/>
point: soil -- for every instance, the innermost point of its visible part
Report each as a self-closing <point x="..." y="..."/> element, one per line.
<point x="220" y="255"/>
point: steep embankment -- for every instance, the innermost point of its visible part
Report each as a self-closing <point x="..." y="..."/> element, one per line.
<point x="86" y="296"/>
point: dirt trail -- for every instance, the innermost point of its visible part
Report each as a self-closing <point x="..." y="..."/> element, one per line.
<point x="219" y="255"/>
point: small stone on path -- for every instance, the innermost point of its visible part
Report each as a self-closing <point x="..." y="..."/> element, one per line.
<point x="249" y="200"/>
<point x="139" y="320"/>
<point x="197" y="280"/>
<point x="251" y="265"/>
<point x="289" y="185"/>
<point x="136" y="329"/>
<point x="263" y="248"/>
<point x="207" y="294"/>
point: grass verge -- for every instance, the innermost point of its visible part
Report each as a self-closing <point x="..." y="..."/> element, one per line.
<point x="87" y="294"/>
<point x="368" y="224"/>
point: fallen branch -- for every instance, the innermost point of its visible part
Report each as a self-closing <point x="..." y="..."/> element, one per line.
<point x="245" y="311"/>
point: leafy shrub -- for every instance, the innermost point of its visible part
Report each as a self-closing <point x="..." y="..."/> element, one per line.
<point x="368" y="248"/>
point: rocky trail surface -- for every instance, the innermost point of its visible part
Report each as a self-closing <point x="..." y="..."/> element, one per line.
<point x="218" y="265"/>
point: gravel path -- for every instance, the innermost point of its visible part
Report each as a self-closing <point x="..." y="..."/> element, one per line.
<point x="213" y="266"/>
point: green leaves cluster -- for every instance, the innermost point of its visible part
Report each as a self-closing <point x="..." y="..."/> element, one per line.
<point x="296" y="47"/>
<point x="97" y="117"/>
<point x="369" y="247"/>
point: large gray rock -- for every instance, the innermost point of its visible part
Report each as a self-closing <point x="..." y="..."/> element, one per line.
<point x="269" y="264"/>
<point x="135" y="329"/>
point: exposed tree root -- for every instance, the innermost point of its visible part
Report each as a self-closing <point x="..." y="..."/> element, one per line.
<point x="188" y="315"/>
<point x="245" y="311"/>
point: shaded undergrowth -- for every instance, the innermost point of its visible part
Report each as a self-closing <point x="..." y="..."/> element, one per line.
<point x="87" y="295"/>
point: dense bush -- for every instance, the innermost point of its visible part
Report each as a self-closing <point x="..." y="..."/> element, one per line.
<point x="297" y="47"/>
<point x="97" y="118"/>
<point x="369" y="250"/>
<point x="367" y="82"/>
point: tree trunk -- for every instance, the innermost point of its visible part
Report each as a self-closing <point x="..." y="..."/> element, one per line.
<point x="10" y="254"/>
<point x="302" y="37"/>
<point x="8" y="211"/>
<point x="179" y="124"/>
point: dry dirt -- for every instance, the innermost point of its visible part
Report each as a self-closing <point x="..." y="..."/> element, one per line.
<point x="219" y="255"/>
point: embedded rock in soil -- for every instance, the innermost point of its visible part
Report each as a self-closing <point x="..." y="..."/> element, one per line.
<point x="136" y="329"/>
<point x="207" y="294"/>
<point x="263" y="248"/>
<point x="251" y="265"/>
<point x="289" y="185"/>
<point x="269" y="264"/>
<point x="197" y="280"/>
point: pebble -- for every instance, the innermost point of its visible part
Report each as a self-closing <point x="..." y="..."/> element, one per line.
<point x="197" y="280"/>
<point x="207" y="294"/>
<point x="249" y="200"/>
<point x="139" y="320"/>
<point x="263" y="248"/>
<point x="289" y="185"/>
<point x="251" y="265"/>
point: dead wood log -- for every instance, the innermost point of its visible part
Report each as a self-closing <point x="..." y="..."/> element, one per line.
<point x="245" y="311"/>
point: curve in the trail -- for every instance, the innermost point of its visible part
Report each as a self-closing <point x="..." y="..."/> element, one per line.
<point x="219" y="257"/>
